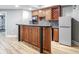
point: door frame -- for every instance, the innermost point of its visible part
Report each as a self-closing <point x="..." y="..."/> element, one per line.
<point x="5" y="13"/>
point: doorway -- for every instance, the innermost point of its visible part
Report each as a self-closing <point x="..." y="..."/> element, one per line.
<point x="2" y="24"/>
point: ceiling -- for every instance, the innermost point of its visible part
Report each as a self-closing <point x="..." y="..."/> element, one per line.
<point x="26" y="7"/>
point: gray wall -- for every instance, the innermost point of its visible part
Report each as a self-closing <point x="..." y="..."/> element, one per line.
<point x="27" y="16"/>
<point x="67" y="10"/>
<point x="75" y="14"/>
<point x="12" y="18"/>
<point x="75" y="24"/>
<point x="75" y="30"/>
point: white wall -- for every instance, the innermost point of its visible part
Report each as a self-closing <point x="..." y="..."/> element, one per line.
<point x="76" y="13"/>
<point x="14" y="17"/>
<point x="27" y="16"/>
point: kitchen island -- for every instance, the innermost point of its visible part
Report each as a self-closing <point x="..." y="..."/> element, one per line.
<point x="37" y="35"/>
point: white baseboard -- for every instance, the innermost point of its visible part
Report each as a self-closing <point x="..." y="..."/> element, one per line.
<point x="11" y="36"/>
<point x="75" y="42"/>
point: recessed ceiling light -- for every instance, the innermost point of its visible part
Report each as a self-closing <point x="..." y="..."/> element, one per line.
<point x="40" y="11"/>
<point x="16" y="5"/>
<point x="30" y="8"/>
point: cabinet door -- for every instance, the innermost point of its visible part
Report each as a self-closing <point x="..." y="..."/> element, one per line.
<point x="42" y="13"/>
<point x="56" y="35"/>
<point x="48" y="14"/>
<point x="47" y="36"/>
<point x="26" y="33"/>
<point x="55" y="13"/>
<point x="30" y="34"/>
<point x="34" y="36"/>
<point x="34" y="13"/>
<point x="38" y="33"/>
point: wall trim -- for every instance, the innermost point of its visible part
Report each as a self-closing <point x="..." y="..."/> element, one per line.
<point x="75" y="42"/>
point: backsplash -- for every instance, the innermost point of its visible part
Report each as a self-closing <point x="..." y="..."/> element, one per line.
<point x="44" y="22"/>
<point x="54" y="23"/>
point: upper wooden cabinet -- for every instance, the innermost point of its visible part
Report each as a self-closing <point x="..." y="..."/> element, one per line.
<point x="51" y="13"/>
<point x="48" y="14"/>
<point x="34" y="13"/>
<point x="55" y="13"/>
<point x="41" y="13"/>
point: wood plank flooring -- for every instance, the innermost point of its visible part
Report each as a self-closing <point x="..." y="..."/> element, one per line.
<point x="12" y="46"/>
<point x="62" y="49"/>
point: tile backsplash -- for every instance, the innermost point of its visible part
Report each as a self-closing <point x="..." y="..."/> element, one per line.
<point x="54" y="23"/>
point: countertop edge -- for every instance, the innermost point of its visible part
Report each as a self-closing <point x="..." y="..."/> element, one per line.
<point x="35" y="25"/>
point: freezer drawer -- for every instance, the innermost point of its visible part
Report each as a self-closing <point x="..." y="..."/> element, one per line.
<point x="65" y="36"/>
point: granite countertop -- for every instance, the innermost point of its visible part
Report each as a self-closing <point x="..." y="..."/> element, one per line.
<point x="35" y="25"/>
<point x="55" y="27"/>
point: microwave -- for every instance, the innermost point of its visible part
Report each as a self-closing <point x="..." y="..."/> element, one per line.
<point x="34" y="19"/>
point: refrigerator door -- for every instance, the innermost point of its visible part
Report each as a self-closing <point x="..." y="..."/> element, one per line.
<point x="65" y="21"/>
<point x="65" y="36"/>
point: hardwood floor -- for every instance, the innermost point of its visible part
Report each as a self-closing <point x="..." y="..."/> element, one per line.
<point x="62" y="49"/>
<point x="12" y="46"/>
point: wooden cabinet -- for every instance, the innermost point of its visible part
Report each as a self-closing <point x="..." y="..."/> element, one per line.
<point x="38" y="33"/>
<point x="47" y="39"/>
<point x="34" y="13"/>
<point x="32" y="35"/>
<point x="42" y="13"/>
<point x="29" y="34"/>
<point x="48" y="14"/>
<point x="55" y="13"/>
<point x="56" y="35"/>
<point x="51" y="13"/>
<point x="24" y="33"/>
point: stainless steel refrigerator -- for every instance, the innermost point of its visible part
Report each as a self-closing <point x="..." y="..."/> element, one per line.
<point x="65" y="30"/>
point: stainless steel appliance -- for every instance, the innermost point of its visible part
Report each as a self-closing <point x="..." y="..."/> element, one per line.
<point x="65" y="30"/>
<point x="34" y="19"/>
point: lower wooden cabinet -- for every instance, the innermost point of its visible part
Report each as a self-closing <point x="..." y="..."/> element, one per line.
<point x="56" y="35"/>
<point x="21" y="33"/>
<point x="47" y="39"/>
<point x="32" y="36"/>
